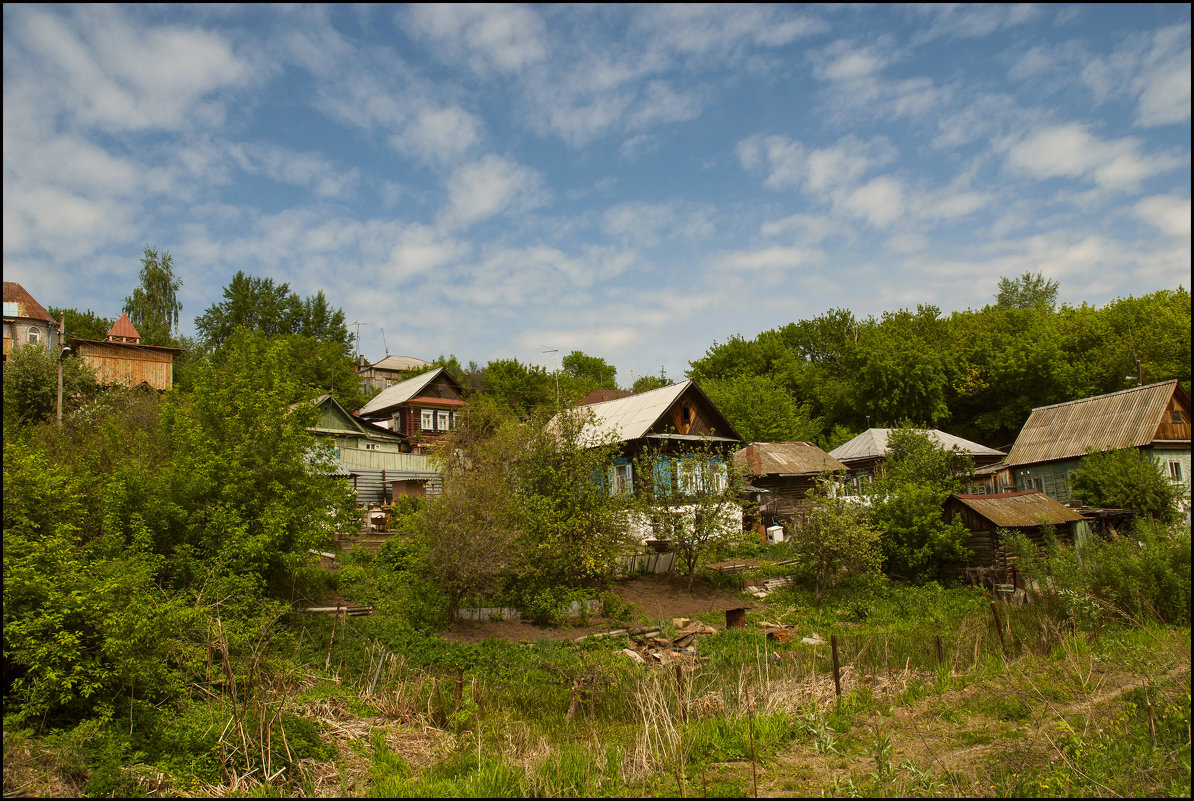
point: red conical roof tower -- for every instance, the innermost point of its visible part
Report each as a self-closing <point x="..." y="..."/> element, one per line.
<point x="124" y="331"/>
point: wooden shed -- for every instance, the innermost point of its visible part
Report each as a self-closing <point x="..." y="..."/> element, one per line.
<point x="787" y="471"/>
<point x="122" y="359"/>
<point x="1026" y="511"/>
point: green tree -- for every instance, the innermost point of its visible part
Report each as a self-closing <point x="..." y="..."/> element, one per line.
<point x="650" y="382"/>
<point x="1026" y="292"/>
<point x="522" y="388"/>
<point x="835" y="539"/>
<point x="154" y="307"/>
<point x="258" y="304"/>
<point x="31" y="385"/>
<point x="693" y="501"/>
<point x="907" y="499"/>
<point x="1127" y="479"/>
<point x="84" y="325"/>
<point x="762" y="410"/>
<point x="592" y="371"/>
<point x="521" y="507"/>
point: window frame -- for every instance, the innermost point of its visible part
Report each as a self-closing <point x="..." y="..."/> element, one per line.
<point x="426" y="419"/>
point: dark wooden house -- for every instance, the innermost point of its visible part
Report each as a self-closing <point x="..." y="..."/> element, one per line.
<point x="1025" y="511"/>
<point x="423" y="408"/>
<point x="786" y="471"/>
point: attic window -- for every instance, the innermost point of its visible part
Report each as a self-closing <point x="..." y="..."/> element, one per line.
<point x="1175" y="416"/>
<point x="685" y="415"/>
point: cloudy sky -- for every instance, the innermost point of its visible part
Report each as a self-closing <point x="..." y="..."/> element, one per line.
<point x="634" y="182"/>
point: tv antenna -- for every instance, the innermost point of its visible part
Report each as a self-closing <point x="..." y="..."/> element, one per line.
<point x="356" y="357"/>
<point x="383" y="341"/>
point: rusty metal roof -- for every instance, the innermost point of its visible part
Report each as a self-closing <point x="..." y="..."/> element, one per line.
<point x="872" y="444"/>
<point x="784" y="458"/>
<point x="26" y="306"/>
<point x="1019" y="509"/>
<point x="1125" y="419"/>
<point x="124" y="328"/>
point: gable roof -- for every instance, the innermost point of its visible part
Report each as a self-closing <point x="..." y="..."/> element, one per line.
<point x="632" y="417"/>
<point x="400" y="363"/>
<point x="1125" y="419"/>
<point x="26" y="306"/>
<point x="872" y="444"/>
<point x="784" y="458"/>
<point x="603" y="395"/>
<point x="361" y="426"/>
<point x="403" y="391"/>
<point x="1019" y="509"/>
<point x="124" y="328"/>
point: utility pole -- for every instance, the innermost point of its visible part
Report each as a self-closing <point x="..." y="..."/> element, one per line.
<point x="63" y="350"/>
<point x="555" y="351"/>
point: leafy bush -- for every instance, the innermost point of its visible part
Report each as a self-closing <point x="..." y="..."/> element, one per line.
<point x="1127" y="479"/>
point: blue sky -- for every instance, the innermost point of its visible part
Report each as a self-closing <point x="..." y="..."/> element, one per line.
<point x="636" y="182"/>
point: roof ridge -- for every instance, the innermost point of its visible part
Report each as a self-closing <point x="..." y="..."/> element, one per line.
<point x="1106" y="395"/>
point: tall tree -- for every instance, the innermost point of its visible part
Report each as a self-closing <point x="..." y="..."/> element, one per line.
<point x="1026" y="291"/>
<point x="84" y="325"/>
<point x="256" y="304"/>
<point x="593" y="370"/>
<point x="154" y="307"/>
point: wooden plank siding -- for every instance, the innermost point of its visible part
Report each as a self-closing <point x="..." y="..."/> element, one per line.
<point x="130" y="365"/>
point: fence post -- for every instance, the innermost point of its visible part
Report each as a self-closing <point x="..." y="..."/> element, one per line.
<point x="837" y="680"/>
<point x="999" y="627"/>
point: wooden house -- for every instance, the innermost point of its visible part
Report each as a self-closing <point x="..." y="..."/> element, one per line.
<point x="122" y="359"/>
<point x="423" y="408"/>
<point x="786" y="471"/>
<point x="863" y="456"/>
<point x="379" y="462"/>
<point x="1154" y="419"/>
<point x="1025" y="511"/>
<point x="26" y="322"/>
<point x="666" y="424"/>
<point x="388" y="371"/>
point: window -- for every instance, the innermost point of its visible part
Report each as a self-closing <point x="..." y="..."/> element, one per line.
<point x="1034" y="483"/>
<point x="1175" y="416"/>
<point x="34" y="336"/>
<point x="372" y="446"/>
<point x="444" y="420"/>
<point x="1175" y="471"/>
<point x="428" y="423"/>
<point x="621" y="480"/>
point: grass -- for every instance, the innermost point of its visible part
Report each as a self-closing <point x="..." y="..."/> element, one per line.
<point x="1049" y="711"/>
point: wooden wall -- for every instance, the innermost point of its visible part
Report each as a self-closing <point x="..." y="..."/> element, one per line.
<point x="129" y="365"/>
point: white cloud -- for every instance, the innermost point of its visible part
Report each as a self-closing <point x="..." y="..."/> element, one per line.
<point x="1070" y="151"/>
<point x="791" y="164"/>
<point x="288" y="166"/>
<point x="1168" y="213"/>
<point x="647" y="224"/>
<point x="104" y="71"/>
<point x="857" y="85"/>
<point x="880" y="202"/>
<point x="956" y="21"/>
<point x="488" y="36"/>
<point x="774" y="257"/>
<point x="491" y="186"/>
<point x="716" y="29"/>
<point x="1153" y="69"/>
<point x="439" y="134"/>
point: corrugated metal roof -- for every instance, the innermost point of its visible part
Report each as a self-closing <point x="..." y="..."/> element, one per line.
<point x="400" y="392"/>
<point x="872" y="444"/>
<point x="124" y="328"/>
<point x="770" y="458"/>
<point x="1125" y="419"/>
<point x="627" y="418"/>
<point x="26" y="306"/>
<point x="400" y="363"/>
<point x="1020" y="509"/>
